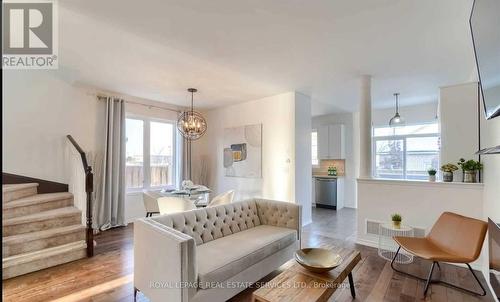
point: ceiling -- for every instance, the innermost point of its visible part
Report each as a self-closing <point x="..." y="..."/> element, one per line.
<point x="236" y="51"/>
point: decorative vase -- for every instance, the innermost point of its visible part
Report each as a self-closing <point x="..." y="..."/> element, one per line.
<point x="447" y="176"/>
<point x="470" y="176"/>
<point x="432" y="178"/>
<point x="396" y="224"/>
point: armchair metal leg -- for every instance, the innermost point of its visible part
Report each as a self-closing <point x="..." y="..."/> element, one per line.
<point x="477" y="280"/>
<point x="135" y="293"/>
<point x="429" y="280"/>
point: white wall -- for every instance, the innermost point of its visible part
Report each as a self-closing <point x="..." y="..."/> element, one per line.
<point x="347" y="119"/>
<point x="277" y="115"/>
<point x="458" y="121"/>
<point x="419" y="202"/>
<point x="39" y="110"/>
<point x="303" y="167"/>
<point x="490" y="136"/>
<point x="417" y="114"/>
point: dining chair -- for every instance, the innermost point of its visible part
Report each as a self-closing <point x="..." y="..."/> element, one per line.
<point x="149" y="199"/>
<point x="168" y="205"/>
<point x="453" y="238"/>
<point x="224" y="198"/>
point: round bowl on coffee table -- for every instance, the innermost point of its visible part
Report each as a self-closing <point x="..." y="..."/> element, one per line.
<point x="318" y="260"/>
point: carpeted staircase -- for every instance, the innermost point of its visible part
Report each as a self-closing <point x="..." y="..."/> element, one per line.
<point x="39" y="230"/>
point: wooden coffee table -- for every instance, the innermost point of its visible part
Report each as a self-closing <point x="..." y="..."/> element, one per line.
<point x="298" y="284"/>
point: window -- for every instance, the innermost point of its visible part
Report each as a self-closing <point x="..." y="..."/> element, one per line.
<point x="161" y="151"/>
<point x="405" y="152"/>
<point x="150" y="154"/>
<point x="314" y="148"/>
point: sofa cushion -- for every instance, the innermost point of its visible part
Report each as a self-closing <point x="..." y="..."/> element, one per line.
<point x="220" y="259"/>
<point x="278" y="213"/>
<point x="208" y="224"/>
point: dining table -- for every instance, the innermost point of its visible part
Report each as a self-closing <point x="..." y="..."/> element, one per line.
<point x="199" y="195"/>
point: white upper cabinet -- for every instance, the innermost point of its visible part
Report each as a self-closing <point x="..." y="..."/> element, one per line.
<point x="331" y="142"/>
<point x="323" y="142"/>
<point x="336" y="141"/>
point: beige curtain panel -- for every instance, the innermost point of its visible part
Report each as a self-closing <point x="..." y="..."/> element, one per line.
<point x="110" y="206"/>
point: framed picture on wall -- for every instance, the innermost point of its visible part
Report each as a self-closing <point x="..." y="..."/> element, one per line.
<point x="243" y="151"/>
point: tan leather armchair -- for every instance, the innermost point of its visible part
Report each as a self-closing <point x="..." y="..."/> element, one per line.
<point x="453" y="238"/>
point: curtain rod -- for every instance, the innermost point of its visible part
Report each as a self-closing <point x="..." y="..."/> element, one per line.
<point x="102" y="97"/>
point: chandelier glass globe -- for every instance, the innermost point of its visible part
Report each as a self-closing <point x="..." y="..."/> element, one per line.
<point x="191" y="124"/>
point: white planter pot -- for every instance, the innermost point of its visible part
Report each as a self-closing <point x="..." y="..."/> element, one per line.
<point x="432" y="178"/>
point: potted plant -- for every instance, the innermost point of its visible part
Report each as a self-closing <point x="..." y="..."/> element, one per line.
<point x="432" y="174"/>
<point x="396" y="220"/>
<point x="470" y="168"/>
<point x="448" y="172"/>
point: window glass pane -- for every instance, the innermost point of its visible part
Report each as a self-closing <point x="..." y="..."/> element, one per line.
<point x="417" y="129"/>
<point x="389" y="159"/>
<point x="422" y="153"/>
<point x="314" y="147"/>
<point x="161" y="148"/>
<point x="134" y="172"/>
<point x="383" y="131"/>
<point x="406" y="130"/>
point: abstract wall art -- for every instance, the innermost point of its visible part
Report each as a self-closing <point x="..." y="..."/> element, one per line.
<point x="243" y="151"/>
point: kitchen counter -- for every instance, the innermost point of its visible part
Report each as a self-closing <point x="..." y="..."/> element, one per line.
<point x="325" y="176"/>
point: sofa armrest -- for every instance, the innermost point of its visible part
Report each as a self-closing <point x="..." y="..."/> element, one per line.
<point x="281" y="214"/>
<point x="164" y="262"/>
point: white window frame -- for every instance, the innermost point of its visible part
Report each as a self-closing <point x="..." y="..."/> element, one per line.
<point x="146" y="145"/>
<point x="397" y="137"/>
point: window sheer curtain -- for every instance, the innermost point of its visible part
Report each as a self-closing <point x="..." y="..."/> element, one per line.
<point x="110" y="204"/>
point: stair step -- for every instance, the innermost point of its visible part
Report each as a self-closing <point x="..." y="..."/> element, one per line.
<point x="42" y="221"/>
<point x="15" y="191"/>
<point x="29" y="262"/>
<point x="36" y="204"/>
<point x="33" y="241"/>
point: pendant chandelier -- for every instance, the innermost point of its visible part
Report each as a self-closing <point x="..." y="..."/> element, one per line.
<point x="191" y="124"/>
<point x="397" y="120"/>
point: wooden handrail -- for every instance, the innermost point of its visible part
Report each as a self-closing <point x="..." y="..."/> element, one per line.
<point x="80" y="151"/>
<point x="89" y="188"/>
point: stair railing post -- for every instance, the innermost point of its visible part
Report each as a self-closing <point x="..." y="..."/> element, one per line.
<point x="89" y="188"/>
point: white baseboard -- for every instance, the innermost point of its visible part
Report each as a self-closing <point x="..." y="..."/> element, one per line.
<point x="304" y="223"/>
<point x="367" y="242"/>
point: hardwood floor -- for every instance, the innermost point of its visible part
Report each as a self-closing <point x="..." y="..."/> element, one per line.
<point x="108" y="276"/>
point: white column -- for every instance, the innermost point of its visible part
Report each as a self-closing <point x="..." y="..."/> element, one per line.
<point x="365" y="125"/>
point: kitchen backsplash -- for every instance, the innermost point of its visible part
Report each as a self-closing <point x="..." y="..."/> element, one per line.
<point x="325" y="163"/>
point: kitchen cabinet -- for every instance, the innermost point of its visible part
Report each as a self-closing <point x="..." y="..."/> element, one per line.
<point x="331" y="141"/>
<point x="323" y="142"/>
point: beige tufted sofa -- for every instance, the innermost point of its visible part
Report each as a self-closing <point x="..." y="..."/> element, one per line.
<point x="211" y="254"/>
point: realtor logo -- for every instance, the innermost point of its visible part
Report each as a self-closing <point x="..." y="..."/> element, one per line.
<point x="29" y="37"/>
